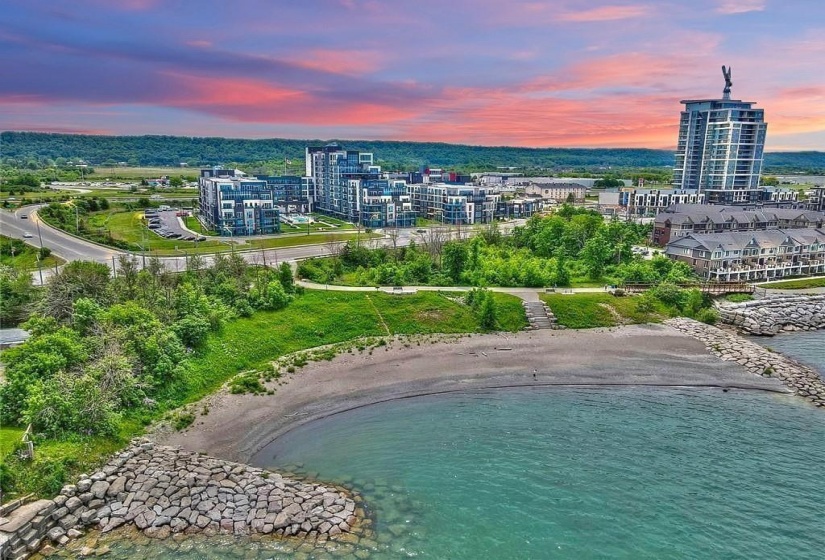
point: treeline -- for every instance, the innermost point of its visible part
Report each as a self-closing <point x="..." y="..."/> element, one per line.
<point x="573" y="244"/>
<point x="33" y="149"/>
<point x="30" y="148"/>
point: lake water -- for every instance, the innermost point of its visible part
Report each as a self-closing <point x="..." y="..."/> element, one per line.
<point x="562" y="473"/>
<point x="807" y="347"/>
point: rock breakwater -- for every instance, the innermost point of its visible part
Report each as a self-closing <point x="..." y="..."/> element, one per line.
<point x="775" y="314"/>
<point x="164" y="491"/>
<point x="799" y="378"/>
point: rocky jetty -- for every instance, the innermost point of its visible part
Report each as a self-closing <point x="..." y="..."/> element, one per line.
<point x="775" y="314"/>
<point x="164" y="491"/>
<point x="799" y="378"/>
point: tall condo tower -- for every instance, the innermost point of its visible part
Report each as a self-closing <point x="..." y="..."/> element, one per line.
<point x="720" y="148"/>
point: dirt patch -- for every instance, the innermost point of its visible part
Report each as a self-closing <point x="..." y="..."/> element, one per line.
<point x="616" y="315"/>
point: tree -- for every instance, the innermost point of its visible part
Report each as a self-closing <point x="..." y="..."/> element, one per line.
<point x="596" y="253"/>
<point x="487" y="314"/>
<point x="285" y="277"/>
<point x="76" y="280"/>
<point x="16" y="295"/>
<point x="454" y="259"/>
<point x="176" y="181"/>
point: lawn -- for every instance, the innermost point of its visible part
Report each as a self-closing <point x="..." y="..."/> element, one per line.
<point x="9" y="440"/>
<point x="195" y="225"/>
<point x="130" y="227"/>
<point x="589" y="310"/>
<point x="27" y="260"/>
<point x="320" y="317"/>
<point x="799" y="284"/>
<point x="106" y="173"/>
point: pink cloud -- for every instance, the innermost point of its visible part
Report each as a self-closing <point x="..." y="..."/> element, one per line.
<point x="256" y="101"/>
<point x="605" y="13"/>
<point x="338" y="61"/>
<point x="729" y="7"/>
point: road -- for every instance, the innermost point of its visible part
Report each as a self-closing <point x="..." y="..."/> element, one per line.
<point x="71" y="248"/>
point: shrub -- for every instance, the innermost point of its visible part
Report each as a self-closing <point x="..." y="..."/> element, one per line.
<point x="183" y="420"/>
<point x="708" y="315"/>
<point x="246" y="383"/>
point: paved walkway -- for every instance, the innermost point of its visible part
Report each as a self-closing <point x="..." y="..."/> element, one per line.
<point x="526" y="294"/>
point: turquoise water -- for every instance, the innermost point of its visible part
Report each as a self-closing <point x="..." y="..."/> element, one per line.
<point x="578" y="473"/>
<point x="807" y="347"/>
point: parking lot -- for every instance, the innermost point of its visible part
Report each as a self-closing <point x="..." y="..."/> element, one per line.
<point x="165" y="223"/>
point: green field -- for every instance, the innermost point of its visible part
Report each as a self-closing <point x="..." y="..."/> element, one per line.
<point x="106" y="173"/>
<point x="800" y="284"/>
<point x="130" y="227"/>
<point x="27" y="259"/>
<point x="589" y="310"/>
<point x="320" y="317"/>
<point x="195" y="225"/>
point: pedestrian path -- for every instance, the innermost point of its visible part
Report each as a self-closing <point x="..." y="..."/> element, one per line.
<point x="539" y="315"/>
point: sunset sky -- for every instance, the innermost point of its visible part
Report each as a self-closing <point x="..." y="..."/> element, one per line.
<point x="573" y="73"/>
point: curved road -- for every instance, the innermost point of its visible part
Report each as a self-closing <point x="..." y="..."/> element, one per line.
<point x="71" y="248"/>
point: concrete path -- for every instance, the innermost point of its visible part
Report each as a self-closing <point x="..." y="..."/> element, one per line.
<point x="526" y="294"/>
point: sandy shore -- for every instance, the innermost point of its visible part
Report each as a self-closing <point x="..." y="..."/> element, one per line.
<point x="237" y="426"/>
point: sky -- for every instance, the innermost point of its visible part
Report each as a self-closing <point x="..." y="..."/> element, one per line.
<point x="568" y="73"/>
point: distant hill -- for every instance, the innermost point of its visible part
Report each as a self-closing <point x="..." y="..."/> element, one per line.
<point x="21" y="148"/>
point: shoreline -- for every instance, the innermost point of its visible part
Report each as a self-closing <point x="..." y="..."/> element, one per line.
<point x="238" y="426"/>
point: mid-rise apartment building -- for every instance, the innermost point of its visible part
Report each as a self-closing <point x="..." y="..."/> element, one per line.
<point x="455" y="204"/>
<point x="752" y="255"/>
<point x="233" y="204"/>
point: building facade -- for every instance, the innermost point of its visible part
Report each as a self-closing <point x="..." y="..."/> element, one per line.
<point x="684" y="220"/>
<point x="233" y="204"/>
<point x="291" y="193"/>
<point x="349" y="186"/>
<point x="749" y="256"/>
<point x="816" y="201"/>
<point x="556" y="192"/>
<point x="720" y="149"/>
<point x="455" y="204"/>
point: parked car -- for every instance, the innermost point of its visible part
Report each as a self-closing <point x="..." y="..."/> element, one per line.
<point x="154" y="226"/>
<point x="200" y="238"/>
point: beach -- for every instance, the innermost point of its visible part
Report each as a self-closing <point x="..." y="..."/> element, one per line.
<point x="237" y="426"/>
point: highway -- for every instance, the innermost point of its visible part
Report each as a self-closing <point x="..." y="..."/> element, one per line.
<point x="72" y="248"/>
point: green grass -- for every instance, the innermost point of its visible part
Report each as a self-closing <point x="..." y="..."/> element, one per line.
<point x="56" y="462"/>
<point x="589" y="310"/>
<point x="130" y="227"/>
<point x="9" y="440"/>
<point x="315" y="318"/>
<point x="737" y="298"/>
<point x="27" y="260"/>
<point x="195" y="225"/>
<point x="105" y="173"/>
<point x="320" y="317"/>
<point x="800" y="284"/>
<point x="509" y="312"/>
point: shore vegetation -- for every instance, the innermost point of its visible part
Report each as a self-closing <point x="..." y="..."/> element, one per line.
<point x="107" y="356"/>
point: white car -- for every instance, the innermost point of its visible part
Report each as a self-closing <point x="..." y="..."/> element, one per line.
<point x="27" y="235"/>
